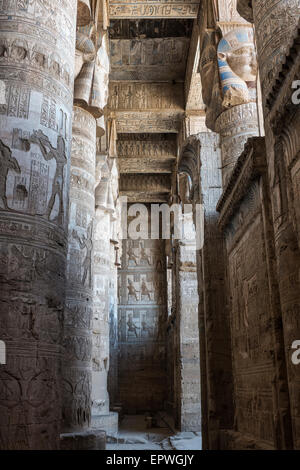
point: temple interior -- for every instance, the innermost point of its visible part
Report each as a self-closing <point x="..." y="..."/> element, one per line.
<point x="149" y="225"/>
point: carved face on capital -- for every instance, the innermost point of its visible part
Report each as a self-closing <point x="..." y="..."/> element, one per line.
<point x="242" y="62"/>
<point x="237" y="50"/>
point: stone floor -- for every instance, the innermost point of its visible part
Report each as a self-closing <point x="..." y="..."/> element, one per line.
<point x="135" y="435"/>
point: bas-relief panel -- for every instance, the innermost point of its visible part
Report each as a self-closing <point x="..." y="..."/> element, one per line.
<point x="145" y="165"/>
<point x="149" y="59"/>
<point x="146" y="148"/>
<point x="275" y="22"/>
<point x="153" y="9"/>
<point x="145" y="96"/>
<point x="145" y="183"/>
<point x="152" y="51"/>
<point x="142" y="316"/>
<point x="251" y="322"/>
<point x="156" y="122"/>
<point x="36" y="39"/>
<point x="34" y="185"/>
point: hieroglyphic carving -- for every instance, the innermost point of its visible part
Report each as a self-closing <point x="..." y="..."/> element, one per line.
<point x="283" y="153"/>
<point x="245" y="219"/>
<point x="148" y="122"/>
<point x="77" y="370"/>
<point x="235" y="126"/>
<point x="153" y="9"/>
<point x="36" y="64"/>
<point x="142" y="315"/>
<point x="159" y="183"/>
<point x="275" y="23"/>
<point x="146" y="145"/>
<point x="17" y="102"/>
<point x="145" y="165"/>
<point x="145" y="96"/>
<point x="149" y="59"/>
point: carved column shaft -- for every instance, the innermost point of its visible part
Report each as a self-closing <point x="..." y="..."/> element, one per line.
<point x="275" y="25"/>
<point x="77" y="371"/>
<point x="188" y="374"/>
<point x="36" y="81"/>
<point x="101" y="312"/>
<point x="235" y="126"/>
<point x="201" y="159"/>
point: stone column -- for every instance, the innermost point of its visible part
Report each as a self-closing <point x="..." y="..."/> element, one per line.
<point x="200" y="159"/>
<point x="36" y="81"/>
<point x="235" y="126"/>
<point x="77" y="373"/>
<point x="104" y="295"/>
<point x="188" y="360"/>
<point x="275" y="26"/>
<point x="115" y="263"/>
<point x="229" y="74"/>
<point x="90" y="96"/>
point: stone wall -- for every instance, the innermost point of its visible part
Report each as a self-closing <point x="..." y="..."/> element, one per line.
<point x="260" y="382"/>
<point x="277" y="36"/>
<point x="142" y="322"/>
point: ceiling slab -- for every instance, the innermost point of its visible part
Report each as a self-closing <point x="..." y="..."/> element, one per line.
<point x="149" y="59"/>
<point x="142" y="29"/>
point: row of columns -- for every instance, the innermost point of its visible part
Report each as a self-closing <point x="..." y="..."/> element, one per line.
<point x="48" y="302"/>
<point x="86" y="327"/>
<point x="36" y="76"/>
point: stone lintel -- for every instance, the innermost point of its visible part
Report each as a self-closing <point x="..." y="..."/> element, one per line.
<point x="143" y="96"/>
<point x="250" y="165"/>
<point x="146" y="165"/>
<point x="139" y="122"/>
<point x="144" y="197"/>
<point x="153" y="9"/>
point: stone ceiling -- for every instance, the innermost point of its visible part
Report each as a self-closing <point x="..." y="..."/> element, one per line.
<point x="149" y="91"/>
<point x="149" y="50"/>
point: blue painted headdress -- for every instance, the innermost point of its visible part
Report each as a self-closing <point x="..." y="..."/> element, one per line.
<point x="232" y="84"/>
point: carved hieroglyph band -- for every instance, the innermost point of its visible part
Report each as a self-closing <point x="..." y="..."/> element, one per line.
<point x="165" y="9"/>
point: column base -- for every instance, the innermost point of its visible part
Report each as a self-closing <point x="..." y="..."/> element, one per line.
<point x="91" y="439"/>
<point x="108" y="422"/>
